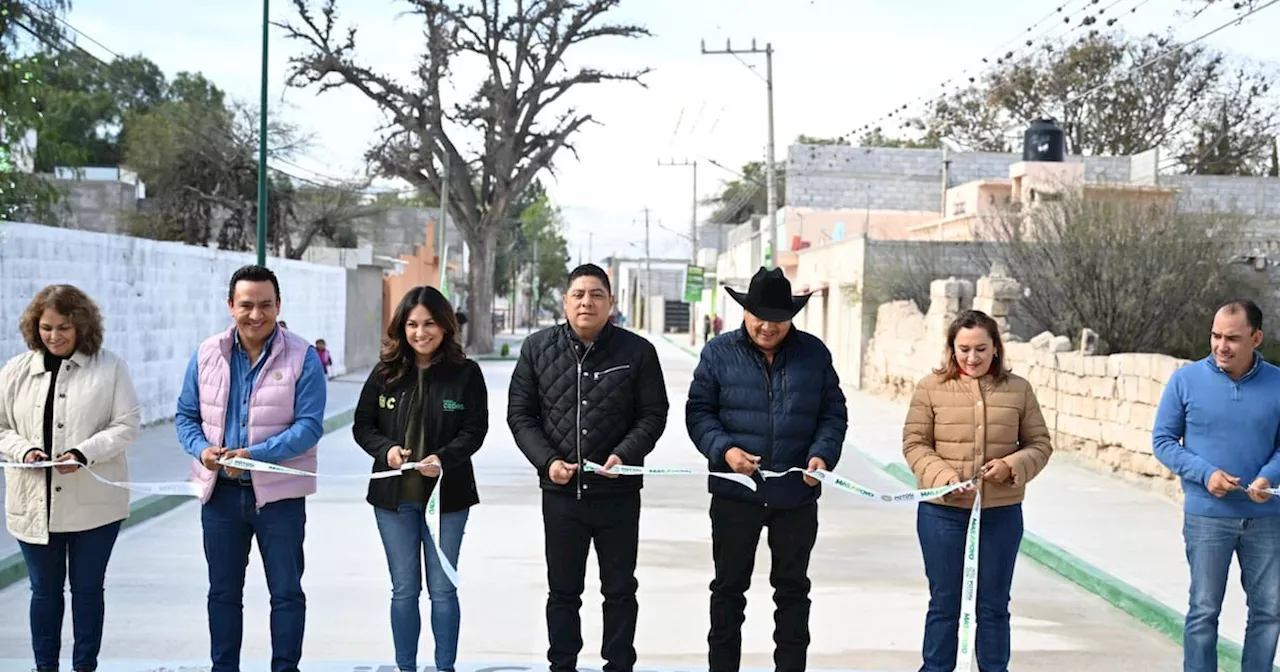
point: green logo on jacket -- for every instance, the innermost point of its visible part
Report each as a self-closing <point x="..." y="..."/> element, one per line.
<point x="451" y="405"/>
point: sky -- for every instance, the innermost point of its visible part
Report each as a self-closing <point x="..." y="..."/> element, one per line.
<point x="838" y="64"/>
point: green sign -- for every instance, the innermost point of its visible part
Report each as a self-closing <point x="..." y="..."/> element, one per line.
<point x="693" y="284"/>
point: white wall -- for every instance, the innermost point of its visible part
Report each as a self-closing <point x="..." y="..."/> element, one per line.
<point x="158" y="300"/>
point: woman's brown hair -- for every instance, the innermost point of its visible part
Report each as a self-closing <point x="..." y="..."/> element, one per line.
<point x="971" y="319"/>
<point x="66" y="300"/>
<point x="397" y="356"/>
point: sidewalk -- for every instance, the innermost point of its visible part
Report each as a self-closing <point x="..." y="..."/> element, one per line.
<point x="512" y="339"/>
<point x="156" y="456"/>
<point x="1115" y="540"/>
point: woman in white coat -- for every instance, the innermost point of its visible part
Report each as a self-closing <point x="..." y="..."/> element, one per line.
<point x="70" y="401"/>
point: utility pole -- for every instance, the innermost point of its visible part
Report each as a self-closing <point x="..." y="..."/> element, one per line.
<point x="693" y="244"/>
<point x="590" y="242"/>
<point x="648" y="273"/>
<point x="770" y="177"/>
<point x="444" y="218"/>
<point x="533" y="289"/>
<point x="262" y="139"/>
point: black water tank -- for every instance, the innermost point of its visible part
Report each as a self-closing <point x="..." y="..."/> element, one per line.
<point x="1044" y="141"/>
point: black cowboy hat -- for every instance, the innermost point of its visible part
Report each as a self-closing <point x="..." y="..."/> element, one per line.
<point x="769" y="296"/>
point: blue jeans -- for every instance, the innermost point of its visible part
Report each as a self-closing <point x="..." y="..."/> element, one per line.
<point x="942" y="533"/>
<point x="1211" y="542"/>
<point x="231" y="521"/>
<point x="86" y="555"/>
<point x="406" y="540"/>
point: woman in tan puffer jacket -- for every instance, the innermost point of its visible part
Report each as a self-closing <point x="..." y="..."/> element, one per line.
<point x="972" y="417"/>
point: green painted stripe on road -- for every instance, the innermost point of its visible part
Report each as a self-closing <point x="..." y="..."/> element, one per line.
<point x="1120" y="594"/>
<point x="1141" y="606"/>
<point x="14" y="569"/>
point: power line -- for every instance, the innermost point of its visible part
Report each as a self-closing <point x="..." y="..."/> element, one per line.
<point x="985" y="59"/>
<point x="1176" y="48"/>
<point x="1013" y="55"/>
<point x="199" y="133"/>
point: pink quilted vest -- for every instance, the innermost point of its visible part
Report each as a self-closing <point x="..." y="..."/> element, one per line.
<point x="270" y="411"/>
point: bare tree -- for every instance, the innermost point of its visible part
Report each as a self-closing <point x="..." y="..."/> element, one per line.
<point x="524" y="46"/>
<point x="329" y="212"/>
<point x="1144" y="277"/>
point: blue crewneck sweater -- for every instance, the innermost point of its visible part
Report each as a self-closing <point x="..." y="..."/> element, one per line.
<point x="1222" y="424"/>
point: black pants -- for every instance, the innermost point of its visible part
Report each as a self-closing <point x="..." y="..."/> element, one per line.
<point x="570" y="526"/>
<point x="735" y="533"/>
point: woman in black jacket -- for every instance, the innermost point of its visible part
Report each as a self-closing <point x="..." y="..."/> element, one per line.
<point x="424" y="402"/>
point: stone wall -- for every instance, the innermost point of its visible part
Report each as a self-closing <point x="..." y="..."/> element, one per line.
<point x="1099" y="408"/>
<point x="158" y="300"/>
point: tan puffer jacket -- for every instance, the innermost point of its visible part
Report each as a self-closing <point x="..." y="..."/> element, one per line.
<point x="955" y="426"/>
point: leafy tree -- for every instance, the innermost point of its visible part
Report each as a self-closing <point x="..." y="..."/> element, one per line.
<point x="515" y="120"/>
<point x="86" y="103"/>
<point x="23" y="195"/>
<point x="747" y="196"/>
<point x="199" y="160"/>
<point x="513" y="245"/>
<point x="874" y="138"/>
<point x="1109" y="106"/>
<point x="541" y="225"/>
<point x="803" y="139"/>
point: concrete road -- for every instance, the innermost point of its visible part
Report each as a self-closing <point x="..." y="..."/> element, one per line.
<point x="868" y="602"/>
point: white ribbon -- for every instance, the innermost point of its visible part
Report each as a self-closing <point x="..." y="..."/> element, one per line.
<point x="189" y="489"/>
<point x="629" y="470"/>
<point x="969" y="585"/>
<point x="968" y="601"/>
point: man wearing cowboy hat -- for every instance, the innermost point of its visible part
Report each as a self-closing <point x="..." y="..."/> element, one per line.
<point x="765" y="396"/>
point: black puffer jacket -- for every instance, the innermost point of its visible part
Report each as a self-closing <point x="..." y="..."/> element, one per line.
<point x="578" y="403"/>
<point x="455" y="426"/>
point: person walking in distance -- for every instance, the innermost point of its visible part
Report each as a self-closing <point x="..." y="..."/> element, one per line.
<point x="765" y="397"/>
<point x="424" y="402"/>
<point x="71" y="401"/>
<point x="588" y="391"/>
<point x="1216" y="428"/>
<point x="254" y="391"/>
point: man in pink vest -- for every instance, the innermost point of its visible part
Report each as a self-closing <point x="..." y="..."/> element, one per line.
<point x="256" y="391"/>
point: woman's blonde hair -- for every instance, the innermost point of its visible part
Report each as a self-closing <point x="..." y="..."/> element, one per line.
<point x="66" y="300"/>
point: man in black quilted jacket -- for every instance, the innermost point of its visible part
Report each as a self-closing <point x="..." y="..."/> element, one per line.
<point x="588" y="391"/>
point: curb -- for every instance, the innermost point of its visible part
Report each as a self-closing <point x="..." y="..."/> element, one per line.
<point x="14" y="569"/>
<point x="1132" y="601"/>
<point x="687" y="350"/>
<point x="1118" y="593"/>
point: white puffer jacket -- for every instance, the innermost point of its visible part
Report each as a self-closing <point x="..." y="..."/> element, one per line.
<point x="96" y="412"/>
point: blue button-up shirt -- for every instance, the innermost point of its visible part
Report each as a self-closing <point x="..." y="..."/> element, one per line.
<point x="310" y="395"/>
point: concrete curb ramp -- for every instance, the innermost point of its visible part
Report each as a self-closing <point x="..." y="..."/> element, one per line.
<point x="1118" y="593"/>
<point x="14" y="569"/>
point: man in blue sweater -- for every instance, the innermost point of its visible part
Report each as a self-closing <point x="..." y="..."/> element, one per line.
<point x="1217" y="428"/>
